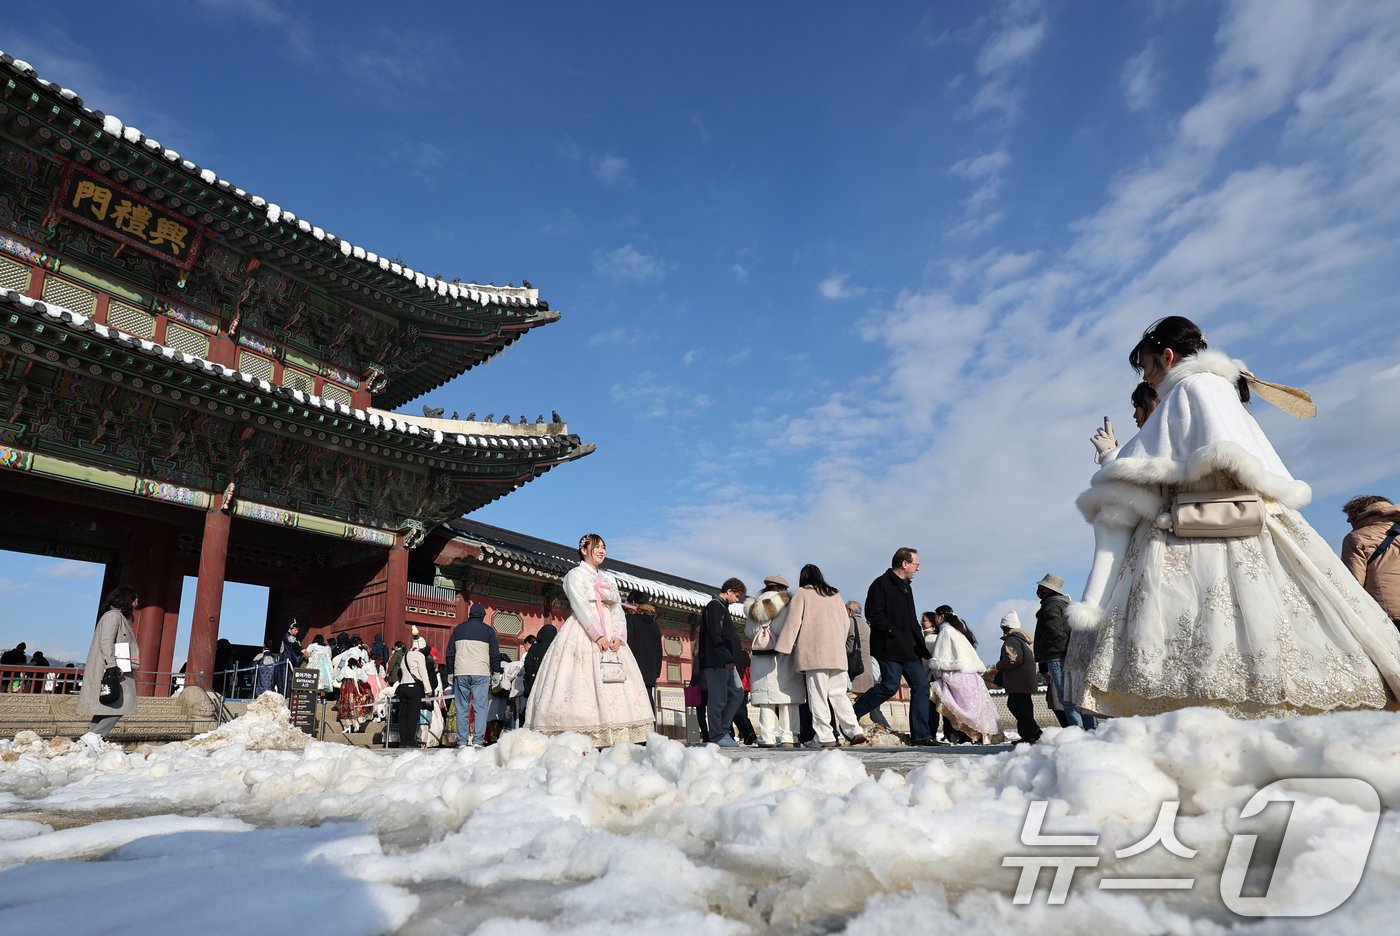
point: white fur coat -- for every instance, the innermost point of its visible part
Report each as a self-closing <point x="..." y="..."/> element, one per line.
<point x="1199" y="428"/>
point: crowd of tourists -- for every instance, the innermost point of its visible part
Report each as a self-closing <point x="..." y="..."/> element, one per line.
<point x="1207" y="587"/>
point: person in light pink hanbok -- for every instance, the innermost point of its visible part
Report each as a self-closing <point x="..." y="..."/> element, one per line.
<point x="956" y="673"/>
<point x="588" y="681"/>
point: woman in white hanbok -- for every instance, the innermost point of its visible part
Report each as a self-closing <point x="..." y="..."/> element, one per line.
<point x="571" y="692"/>
<point x="956" y="673"/>
<point x="1263" y="625"/>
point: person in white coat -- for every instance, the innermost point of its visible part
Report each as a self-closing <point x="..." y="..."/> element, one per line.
<point x="1259" y="624"/>
<point x="956" y="671"/>
<point x="776" y="688"/>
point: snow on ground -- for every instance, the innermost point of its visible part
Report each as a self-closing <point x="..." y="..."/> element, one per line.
<point x="248" y="825"/>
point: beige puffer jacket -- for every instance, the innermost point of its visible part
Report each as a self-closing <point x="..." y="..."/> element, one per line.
<point x="1382" y="577"/>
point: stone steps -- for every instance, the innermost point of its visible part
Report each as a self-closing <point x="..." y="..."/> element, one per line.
<point x="190" y="712"/>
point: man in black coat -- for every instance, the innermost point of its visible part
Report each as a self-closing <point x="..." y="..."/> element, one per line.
<point x="1051" y="644"/>
<point x="720" y="653"/>
<point x="897" y="644"/>
<point x="644" y="640"/>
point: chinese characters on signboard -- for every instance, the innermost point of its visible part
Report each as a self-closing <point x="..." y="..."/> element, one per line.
<point x="102" y="204"/>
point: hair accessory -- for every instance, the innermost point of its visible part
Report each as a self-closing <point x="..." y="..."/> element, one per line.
<point x="1292" y="400"/>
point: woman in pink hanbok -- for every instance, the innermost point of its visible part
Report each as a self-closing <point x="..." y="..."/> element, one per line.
<point x="956" y="671"/>
<point x="588" y="681"/>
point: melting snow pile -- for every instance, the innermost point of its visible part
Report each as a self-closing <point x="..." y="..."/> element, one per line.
<point x="539" y="835"/>
<point x="266" y="725"/>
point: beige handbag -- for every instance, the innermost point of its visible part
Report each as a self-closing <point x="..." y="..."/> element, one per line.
<point x="1217" y="514"/>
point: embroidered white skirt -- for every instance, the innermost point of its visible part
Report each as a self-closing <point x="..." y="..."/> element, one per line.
<point x="570" y="695"/>
<point x="1261" y="626"/>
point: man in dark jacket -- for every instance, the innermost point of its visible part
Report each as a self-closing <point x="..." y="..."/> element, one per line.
<point x="644" y="640"/>
<point x="1017" y="675"/>
<point x="1051" y="642"/>
<point x="897" y="644"/>
<point x="720" y="652"/>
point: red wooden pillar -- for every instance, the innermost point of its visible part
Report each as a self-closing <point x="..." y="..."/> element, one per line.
<point x="155" y="549"/>
<point x="208" y="600"/>
<point x="170" y="627"/>
<point x="396" y="596"/>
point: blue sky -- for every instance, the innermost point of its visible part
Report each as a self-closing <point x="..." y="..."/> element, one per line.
<point x="834" y="278"/>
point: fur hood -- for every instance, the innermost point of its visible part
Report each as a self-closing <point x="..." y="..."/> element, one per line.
<point x="1200" y="428"/>
<point x="763" y="608"/>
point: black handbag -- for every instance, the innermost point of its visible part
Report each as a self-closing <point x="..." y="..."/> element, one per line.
<point x="855" y="663"/>
<point x="111" y="693"/>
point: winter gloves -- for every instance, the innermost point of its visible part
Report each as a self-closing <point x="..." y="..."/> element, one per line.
<point x="1105" y="442"/>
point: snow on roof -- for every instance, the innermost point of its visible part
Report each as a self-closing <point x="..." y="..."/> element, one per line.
<point x="388" y="422"/>
<point x="482" y="294"/>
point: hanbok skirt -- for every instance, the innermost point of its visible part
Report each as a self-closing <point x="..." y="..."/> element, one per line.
<point x="1262" y="626"/>
<point x="570" y="695"/>
<point x="355" y="703"/>
<point x="964" y="699"/>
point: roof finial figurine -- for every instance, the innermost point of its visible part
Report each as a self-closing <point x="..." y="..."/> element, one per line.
<point x="454" y="414"/>
<point x="505" y="419"/>
<point x="471" y="417"/>
<point x="522" y="419"/>
<point x="554" y="416"/>
<point x="539" y="420"/>
<point x="490" y="417"/>
<point x="526" y="283"/>
<point x="433" y="412"/>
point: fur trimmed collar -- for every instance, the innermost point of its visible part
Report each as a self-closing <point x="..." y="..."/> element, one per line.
<point x="1205" y="362"/>
<point x="766" y="606"/>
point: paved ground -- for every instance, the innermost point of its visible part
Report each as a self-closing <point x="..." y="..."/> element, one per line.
<point x="877" y="760"/>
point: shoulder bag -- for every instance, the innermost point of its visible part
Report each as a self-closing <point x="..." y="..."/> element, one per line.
<point x="763" y="640"/>
<point x="1217" y="514"/>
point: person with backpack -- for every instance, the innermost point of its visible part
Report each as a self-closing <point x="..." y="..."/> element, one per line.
<point x="1371" y="551"/>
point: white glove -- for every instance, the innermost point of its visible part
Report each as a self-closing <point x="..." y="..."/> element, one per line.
<point x="1105" y="442"/>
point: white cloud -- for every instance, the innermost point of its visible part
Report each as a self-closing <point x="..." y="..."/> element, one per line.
<point x="1140" y="79"/>
<point x="68" y="569"/>
<point x="628" y="264"/>
<point x="649" y="396"/>
<point x="838" y="287"/>
<point x="1010" y="46"/>
<point x="614" y="337"/>
<point x="980" y="213"/>
<point x="612" y="170"/>
<point x="740" y="273"/>
<point x="991" y="383"/>
<point x="1019" y="31"/>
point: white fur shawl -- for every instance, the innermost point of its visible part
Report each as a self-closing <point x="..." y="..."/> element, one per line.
<point x="954" y="653"/>
<point x="1199" y="428"/>
<point x="767" y="608"/>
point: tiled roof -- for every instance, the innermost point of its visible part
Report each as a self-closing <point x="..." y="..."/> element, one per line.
<point x="480" y="293"/>
<point x="556" y="444"/>
<point x="529" y="553"/>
